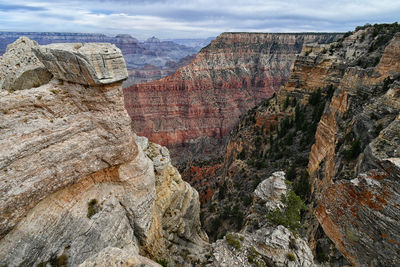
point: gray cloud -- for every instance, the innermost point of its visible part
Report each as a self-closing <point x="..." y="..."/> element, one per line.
<point x="191" y="19"/>
<point x="8" y="8"/>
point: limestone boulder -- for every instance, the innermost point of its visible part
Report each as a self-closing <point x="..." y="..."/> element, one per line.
<point x="20" y="68"/>
<point x="88" y="64"/>
<point x="271" y="189"/>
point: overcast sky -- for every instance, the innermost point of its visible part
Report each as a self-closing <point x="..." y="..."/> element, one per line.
<point x="193" y="19"/>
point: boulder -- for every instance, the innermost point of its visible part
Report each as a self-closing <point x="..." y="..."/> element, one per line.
<point x="88" y="64"/>
<point x="271" y="189"/>
<point x="20" y="68"/>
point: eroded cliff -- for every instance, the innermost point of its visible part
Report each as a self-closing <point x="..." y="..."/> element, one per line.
<point x="76" y="189"/>
<point x="355" y="160"/>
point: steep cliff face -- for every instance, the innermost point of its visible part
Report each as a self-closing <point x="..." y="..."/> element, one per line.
<point x="76" y="189"/>
<point x="206" y="97"/>
<point x="355" y="161"/>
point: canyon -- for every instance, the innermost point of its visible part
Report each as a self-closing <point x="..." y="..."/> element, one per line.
<point x="333" y="128"/>
<point x="285" y="158"/>
<point x="192" y="111"/>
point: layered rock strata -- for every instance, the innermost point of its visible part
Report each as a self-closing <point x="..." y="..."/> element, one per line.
<point x="76" y="189"/>
<point x="206" y="97"/>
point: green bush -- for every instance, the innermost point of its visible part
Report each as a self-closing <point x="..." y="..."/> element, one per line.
<point x="354" y="150"/>
<point x="92" y="208"/>
<point x="232" y="241"/>
<point x="303" y="188"/>
<point x="291" y="173"/>
<point x="291" y="257"/>
<point x="290" y="216"/>
<point x="286" y="104"/>
<point x="315" y="97"/>
<point x="252" y="255"/>
<point x="60" y="261"/>
<point x="321" y="257"/>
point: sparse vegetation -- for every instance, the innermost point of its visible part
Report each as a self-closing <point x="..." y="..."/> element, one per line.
<point x="291" y="257"/>
<point x="354" y="150"/>
<point x="290" y="215"/>
<point x="252" y="255"/>
<point x="162" y="262"/>
<point x="232" y="241"/>
<point x="93" y="208"/>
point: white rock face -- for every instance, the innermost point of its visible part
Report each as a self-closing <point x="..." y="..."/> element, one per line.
<point x="20" y="68"/>
<point x="73" y="183"/>
<point x="271" y="189"/>
<point x="90" y="63"/>
<point x="177" y="211"/>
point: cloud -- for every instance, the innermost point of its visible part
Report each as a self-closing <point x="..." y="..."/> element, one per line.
<point x="8" y="8"/>
<point x="192" y="19"/>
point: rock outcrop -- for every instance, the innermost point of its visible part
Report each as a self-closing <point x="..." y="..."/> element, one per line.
<point x="268" y="245"/>
<point x="20" y="69"/>
<point x="270" y="190"/>
<point x="137" y="54"/>
<point x="75" y="188"/>
<point x="177" y="211"/>
<point x="88" y="64"/>
<point x="206" y="97"/>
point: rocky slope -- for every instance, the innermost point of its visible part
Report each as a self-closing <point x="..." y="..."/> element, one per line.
<point x="341" y="98"/>
<point x="202" y="101"/>
<point x="76" y="188"/>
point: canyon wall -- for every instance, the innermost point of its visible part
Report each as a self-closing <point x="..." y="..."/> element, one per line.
<point x="77" y="187"/>
<point x="354" y="162"/>
<point x="202" y="101"/>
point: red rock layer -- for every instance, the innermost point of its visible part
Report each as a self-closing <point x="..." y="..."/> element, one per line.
<point x="206" y="97"/>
